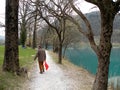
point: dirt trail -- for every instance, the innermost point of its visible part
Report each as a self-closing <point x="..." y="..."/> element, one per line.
<point x="58" y="77"/>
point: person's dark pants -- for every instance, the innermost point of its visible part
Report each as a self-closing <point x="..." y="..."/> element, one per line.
<point x="41" y="66"/>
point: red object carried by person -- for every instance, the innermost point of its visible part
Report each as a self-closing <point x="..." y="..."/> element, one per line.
<point x="46" y="65"/>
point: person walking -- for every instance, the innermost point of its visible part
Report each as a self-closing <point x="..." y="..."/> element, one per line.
<point x="41" y="55"/>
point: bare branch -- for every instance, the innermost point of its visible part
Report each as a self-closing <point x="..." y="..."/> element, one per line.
<point x="70" y="18"/>
<point x="88" y="34"/>
<point x="1" y="25"/>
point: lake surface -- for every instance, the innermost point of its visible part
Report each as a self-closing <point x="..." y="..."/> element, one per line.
<point x="86" y="58"/>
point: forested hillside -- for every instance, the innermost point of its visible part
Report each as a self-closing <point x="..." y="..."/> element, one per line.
<point x="94" y="19"/>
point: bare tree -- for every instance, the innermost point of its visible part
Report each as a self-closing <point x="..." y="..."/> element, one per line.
<point x="11" y="60"/>
<point x="108" y="9"/>
<point x="33" y="20"/>
<point x="35" y="24"/>
<point x="53" y="12"/>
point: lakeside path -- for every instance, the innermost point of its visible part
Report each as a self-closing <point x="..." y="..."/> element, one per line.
<point x="58" y="77"/>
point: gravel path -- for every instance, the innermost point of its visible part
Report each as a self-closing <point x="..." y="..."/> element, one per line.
<point x="52" y="79"/>
<point x="58" y="77"/>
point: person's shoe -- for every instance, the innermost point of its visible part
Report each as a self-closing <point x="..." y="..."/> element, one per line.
<point x="41" y="72"/>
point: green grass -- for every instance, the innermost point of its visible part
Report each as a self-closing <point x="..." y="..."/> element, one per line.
<point x="26" y="56"/>
<point x="1" y="54"/>
<point x="10" y="81"/>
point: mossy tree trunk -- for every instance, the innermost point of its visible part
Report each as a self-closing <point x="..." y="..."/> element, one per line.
<point x="11" y="56"/>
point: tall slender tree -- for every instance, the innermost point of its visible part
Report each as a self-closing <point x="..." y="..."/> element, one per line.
<point x="35" y="26"/>
<point x="11" y="56"/>
<point x="34" y="4"/>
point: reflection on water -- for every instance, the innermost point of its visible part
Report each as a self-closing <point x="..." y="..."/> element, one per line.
<point x="115" y="62"/>
<point x="115" y="82"/>
<point x="83" y="57"/>
<point x="86" y="58"/>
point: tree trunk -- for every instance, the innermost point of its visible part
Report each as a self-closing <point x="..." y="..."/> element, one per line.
<point x="55" y="45"/>
<point x="60" y="54"/>
<point x="29" y="42"/>
<point x="23" y="33"/>
<point x="34" y="33"/>
<point x="46" y="44"/>
<point x="11" y="60"/>
<point x="101" y="80"/>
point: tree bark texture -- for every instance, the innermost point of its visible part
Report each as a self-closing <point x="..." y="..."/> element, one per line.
<point x="11" y="56"/>
<point x="104" y="51"/>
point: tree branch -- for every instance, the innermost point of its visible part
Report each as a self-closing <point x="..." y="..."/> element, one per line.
<point x="117" y="6"/>
<point x="70" y="18"/>
<point x="93" y="1"/>
<point x="88" y="34"/>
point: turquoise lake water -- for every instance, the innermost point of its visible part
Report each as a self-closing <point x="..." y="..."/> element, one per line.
<point x="87" y="59"/>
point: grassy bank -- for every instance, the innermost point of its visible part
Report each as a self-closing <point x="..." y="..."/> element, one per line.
<point x="10" y="81"/>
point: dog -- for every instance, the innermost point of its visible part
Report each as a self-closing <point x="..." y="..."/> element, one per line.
<point x="23" y="72"/>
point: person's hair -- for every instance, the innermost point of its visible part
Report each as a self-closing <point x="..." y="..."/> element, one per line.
<point x="39" y="46"/>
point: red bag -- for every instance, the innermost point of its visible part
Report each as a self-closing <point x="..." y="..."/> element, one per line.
<point x="46" y="65"/>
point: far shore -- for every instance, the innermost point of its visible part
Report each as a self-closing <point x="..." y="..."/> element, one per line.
<point x="86" y="44"/>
